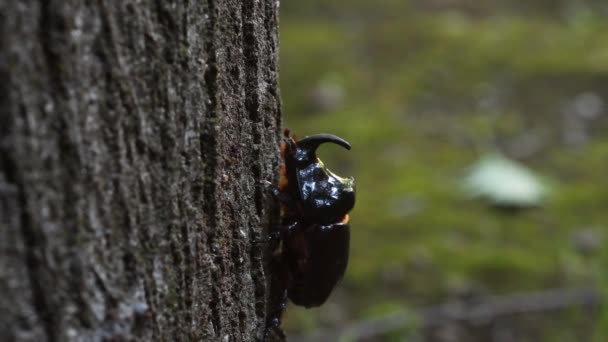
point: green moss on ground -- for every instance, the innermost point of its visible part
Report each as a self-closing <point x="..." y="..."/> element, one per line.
<point x="425" y="93"/>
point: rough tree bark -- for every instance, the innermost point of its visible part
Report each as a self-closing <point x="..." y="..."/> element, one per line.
<point x="134" y="136"/>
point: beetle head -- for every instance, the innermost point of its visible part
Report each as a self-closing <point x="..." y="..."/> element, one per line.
<point x="326" y="196"/>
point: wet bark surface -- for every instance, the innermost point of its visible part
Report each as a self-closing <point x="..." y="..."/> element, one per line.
<point x="134" y="139"/>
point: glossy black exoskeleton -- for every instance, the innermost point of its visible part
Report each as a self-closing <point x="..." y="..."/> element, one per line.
<point x="314" y="230"/>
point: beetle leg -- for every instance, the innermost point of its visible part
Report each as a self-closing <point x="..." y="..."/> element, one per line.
<point x="273" y="189"/>
<point x="278" y="295"/>
<point x="272" y="237"/>
<point x="274" y="319"/>
<point x="279" y="281"/>
<point x="279" y="195"/>
<point x="276" y="234"/>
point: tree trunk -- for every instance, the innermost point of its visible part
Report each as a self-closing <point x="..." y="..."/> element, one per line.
<point x="134" y="139"/>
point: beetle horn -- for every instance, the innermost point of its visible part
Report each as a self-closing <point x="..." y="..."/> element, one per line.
<point x="313" y="141"/>
<point x="308" y="146"/>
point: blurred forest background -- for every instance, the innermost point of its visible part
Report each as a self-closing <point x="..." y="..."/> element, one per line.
<point x="480" y="156"/>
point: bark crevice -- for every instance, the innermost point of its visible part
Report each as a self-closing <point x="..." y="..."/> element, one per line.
<point x="135" y="138"/>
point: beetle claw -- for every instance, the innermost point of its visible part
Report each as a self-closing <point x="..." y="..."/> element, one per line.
<point x="279" y="195"/>
<point x="271" y="237"/>
<point x="273" y="189"/>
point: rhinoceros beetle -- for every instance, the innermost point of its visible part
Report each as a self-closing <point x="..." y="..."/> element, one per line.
<point x="314" y="233"/>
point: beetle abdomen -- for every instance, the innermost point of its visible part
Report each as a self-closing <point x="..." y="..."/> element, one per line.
<point x="317" y="257"/>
